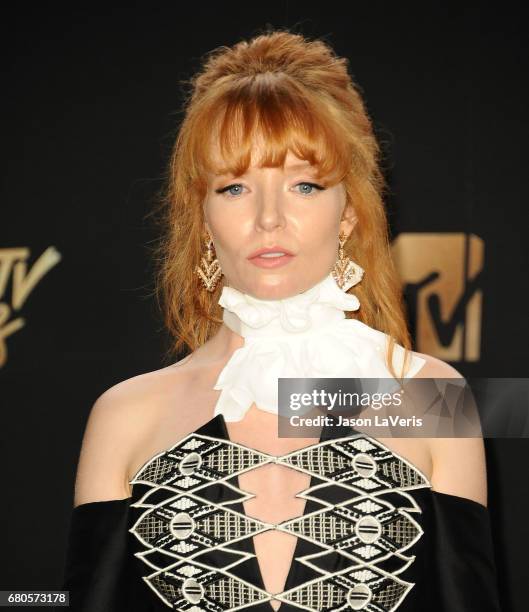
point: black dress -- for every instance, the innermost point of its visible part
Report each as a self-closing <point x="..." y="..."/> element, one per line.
<point x="374" y="535"/>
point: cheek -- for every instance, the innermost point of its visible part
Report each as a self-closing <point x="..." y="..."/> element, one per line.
<point x="229" y="230"/>
<point x="317" y="234"/>
<point x="320" y="224"/>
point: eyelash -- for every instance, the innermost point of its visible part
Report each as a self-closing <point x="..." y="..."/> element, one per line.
<point x="225" y="189"/>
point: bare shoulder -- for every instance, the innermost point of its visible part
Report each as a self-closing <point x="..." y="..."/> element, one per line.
<point x="119" y="421"/>
<point x="435" y="368"/>
<point x="459" y="464"/>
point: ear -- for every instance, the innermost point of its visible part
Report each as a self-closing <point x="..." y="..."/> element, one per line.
<point x="349" y="220"/>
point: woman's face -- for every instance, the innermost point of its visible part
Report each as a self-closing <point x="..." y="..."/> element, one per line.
<point x="282" y="208"/>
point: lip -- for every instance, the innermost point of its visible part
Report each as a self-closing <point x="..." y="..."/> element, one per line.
<point x="271" y="262"/>
<point x="272" y="249"/>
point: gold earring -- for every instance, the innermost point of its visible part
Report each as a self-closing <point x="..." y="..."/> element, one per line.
<point x="209" y="270"/>
<point x="346" y="272"/>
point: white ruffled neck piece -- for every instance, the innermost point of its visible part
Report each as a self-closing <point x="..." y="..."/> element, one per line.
<point x="304" y="336"/>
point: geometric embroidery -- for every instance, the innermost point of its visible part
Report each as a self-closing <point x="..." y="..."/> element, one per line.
<point x="194" y="516"/>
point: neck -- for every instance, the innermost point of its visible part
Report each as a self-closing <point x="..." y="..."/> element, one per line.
<point x="308" y="312"/>
<point x="247" y="318"/>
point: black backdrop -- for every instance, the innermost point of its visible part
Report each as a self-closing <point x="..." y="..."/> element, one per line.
<point x="88" y="114"/>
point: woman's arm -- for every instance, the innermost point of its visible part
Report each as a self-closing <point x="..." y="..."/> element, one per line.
<point x="101" y="470"/>
<point x="459" y="465"/>
<point x="97" y="571"/>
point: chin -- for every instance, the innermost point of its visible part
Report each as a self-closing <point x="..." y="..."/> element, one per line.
<point x="279" y="286"/>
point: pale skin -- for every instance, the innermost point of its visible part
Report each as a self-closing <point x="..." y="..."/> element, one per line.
<point x="144" y="415"/>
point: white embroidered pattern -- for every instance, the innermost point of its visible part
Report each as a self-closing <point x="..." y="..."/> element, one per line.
<point x="363" y="530"/>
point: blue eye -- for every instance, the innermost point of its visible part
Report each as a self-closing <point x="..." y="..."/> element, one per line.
<point x="311" y="186"/>
<point x="237" y="186"/>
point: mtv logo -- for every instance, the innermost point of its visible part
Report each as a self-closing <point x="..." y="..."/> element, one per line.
<point x="14" y="267"/>
<point x="441" y="274"/>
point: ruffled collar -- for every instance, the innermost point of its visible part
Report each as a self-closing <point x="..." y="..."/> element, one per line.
<point x="305" y="335"/>
<point x="321" y="305"/>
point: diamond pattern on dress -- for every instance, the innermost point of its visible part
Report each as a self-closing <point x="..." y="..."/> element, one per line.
<point x="186" y="585"/>
<point x="373" y="591"/>
<point x="362" y="531"/>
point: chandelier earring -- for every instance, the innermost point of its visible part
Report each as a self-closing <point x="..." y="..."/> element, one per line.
<point x="346" y="272"/>
<point x="209" y="270"/>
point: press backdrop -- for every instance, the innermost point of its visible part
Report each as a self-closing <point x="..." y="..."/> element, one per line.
<point x="89" y="115"/>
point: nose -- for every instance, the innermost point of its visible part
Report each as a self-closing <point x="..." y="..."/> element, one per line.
<point x="270" y="212"/>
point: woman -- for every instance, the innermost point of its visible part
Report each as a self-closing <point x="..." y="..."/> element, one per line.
<point x="186" y="497"/>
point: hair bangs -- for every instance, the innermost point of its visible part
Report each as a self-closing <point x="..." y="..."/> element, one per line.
<point x="272" y="115"/>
